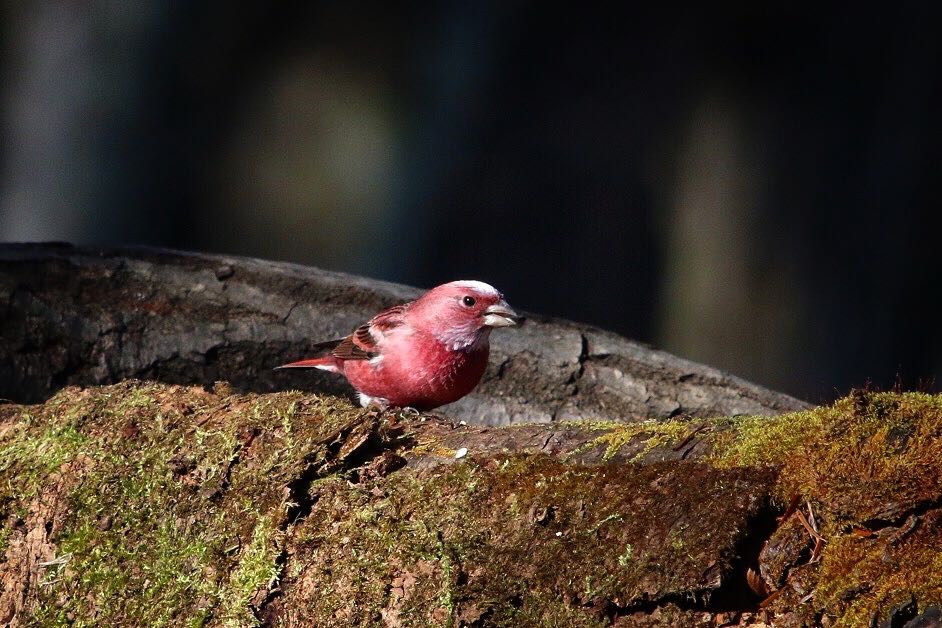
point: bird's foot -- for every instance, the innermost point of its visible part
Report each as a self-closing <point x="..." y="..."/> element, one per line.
<point x="367" y="401"/>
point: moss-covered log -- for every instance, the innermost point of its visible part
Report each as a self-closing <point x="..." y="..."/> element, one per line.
<point x="91" y="316"/>
<point x="149" y="504"/>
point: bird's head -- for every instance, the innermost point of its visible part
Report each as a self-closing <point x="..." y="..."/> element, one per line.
<point x="460" y="313"/>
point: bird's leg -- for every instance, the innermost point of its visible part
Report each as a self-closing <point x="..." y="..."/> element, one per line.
<point x="377" y="402"/>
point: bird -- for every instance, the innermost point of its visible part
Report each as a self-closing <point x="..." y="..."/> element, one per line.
<point x="422" y="354"/>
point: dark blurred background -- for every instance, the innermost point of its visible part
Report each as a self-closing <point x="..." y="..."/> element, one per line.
<point x="752" y="186"/>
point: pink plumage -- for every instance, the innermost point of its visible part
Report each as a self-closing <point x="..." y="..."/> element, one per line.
<point x="422" y="354"/>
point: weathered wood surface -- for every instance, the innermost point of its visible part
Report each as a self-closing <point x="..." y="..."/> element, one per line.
<point x="89" y="315"/>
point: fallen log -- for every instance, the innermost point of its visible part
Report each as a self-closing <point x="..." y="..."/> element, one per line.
<point x="98" y="315"/>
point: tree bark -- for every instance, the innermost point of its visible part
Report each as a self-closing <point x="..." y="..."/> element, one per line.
<point x="92" y="315"/>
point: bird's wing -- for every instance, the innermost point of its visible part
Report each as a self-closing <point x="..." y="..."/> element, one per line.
<point x="362" y="343"/>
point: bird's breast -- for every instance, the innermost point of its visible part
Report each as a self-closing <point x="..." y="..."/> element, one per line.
<point x="423" y="375"/>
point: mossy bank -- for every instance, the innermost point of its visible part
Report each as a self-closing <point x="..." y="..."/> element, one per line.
<point x="145" y="504"/>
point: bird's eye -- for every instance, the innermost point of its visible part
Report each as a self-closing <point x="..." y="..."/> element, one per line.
<point x="469" y="301"/>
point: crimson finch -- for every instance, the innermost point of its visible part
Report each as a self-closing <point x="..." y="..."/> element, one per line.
<point x="422" y="354"/>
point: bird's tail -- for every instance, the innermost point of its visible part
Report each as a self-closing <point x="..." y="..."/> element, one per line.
<point x="326" y="363"/>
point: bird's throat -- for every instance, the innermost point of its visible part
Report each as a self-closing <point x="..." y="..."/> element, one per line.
<point x="468" y="338"/>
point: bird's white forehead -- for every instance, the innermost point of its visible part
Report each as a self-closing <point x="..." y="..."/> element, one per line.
<point x="477" y="286"/>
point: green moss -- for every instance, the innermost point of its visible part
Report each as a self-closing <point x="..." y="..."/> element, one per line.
<point x="616" y="435"/>
<point x="5" y="534"/>
<point x="177" y="498"/>
<point x="887" y="571"/>
<point x="148" y="565"/>
<point x="868" y="460"/>
<point x="625" y="558"/>
<point x="258" y="570"/>
<point x="176" y="512"/>
<point x="31" y="452"/>
<point x="851" y="457"/>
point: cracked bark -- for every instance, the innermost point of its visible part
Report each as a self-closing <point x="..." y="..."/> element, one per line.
<point x="88" y="315"/>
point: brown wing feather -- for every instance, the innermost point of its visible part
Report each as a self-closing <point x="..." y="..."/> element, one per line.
<point x="349" y="350"/>
<point x="389" y="318"/>
<point x="359" y="344"/>
<point x="363" y="337"/>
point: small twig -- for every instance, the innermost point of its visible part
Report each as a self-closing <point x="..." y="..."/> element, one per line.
<point x="792" y="507"/>
<point x="814" y="524"/>
<point x="61" y="560"/>
<point x="804" y="521"/>
<point x="604" y="521"/>
<point x="905" y="531"/>
<point x="770" y="598"/>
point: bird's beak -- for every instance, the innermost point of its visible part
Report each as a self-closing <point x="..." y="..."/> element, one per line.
<point x="500" y="315"/>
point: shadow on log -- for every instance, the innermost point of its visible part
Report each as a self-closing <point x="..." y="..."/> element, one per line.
<point x="78" y="315"/>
